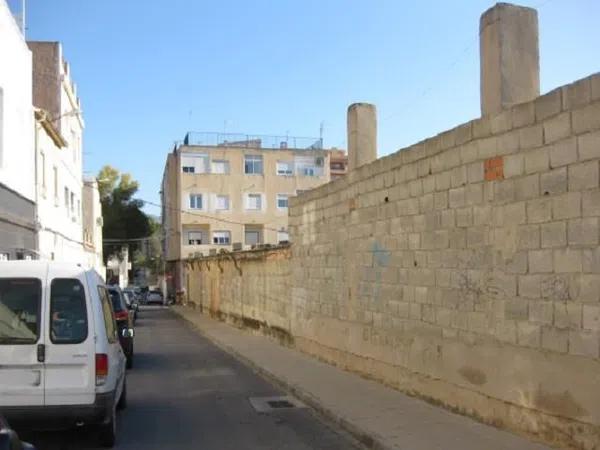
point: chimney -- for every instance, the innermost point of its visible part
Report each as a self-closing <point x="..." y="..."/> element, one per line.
<point x="509" y="55"/>
<point x="362" y="134"/>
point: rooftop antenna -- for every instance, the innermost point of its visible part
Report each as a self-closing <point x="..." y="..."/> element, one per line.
<point x="321" y="128"/>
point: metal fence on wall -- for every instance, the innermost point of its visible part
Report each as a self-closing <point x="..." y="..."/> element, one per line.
<point x="252" y="140"/>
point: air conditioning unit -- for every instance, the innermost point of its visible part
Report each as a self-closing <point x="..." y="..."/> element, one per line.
<point x="237" y="246"/>
<point x="319" y="161"/>
<point x="212" y="251"/>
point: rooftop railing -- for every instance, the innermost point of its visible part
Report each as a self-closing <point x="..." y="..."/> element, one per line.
<point x="252" y="141"/>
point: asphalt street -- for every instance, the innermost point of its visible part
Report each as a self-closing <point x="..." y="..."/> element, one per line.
<point x="185" y="393"/>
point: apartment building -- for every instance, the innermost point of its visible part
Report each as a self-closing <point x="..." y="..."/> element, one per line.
<point x="58" y="153"/>
<point x="225" y="192"/>
<point x="17" y="163"/>
<point x="338" y="163"/>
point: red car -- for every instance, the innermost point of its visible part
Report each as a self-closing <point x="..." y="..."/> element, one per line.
<point x="124" y="319"/>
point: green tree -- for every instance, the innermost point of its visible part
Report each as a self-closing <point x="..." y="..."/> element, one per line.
<point x="123" y="217"/>
<point x="149" y="253"/>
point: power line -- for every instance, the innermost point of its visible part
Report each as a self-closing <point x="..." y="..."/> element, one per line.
<point x="453" y="64"/>
<point x="182" y="211"/>
<point x="205" y="216"/>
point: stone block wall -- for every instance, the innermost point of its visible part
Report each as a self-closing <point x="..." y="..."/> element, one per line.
<point x="466" y="268"/>
<point x="249" y="289"/>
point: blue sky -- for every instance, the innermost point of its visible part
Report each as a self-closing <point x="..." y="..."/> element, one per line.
<point x="149" y="70"/>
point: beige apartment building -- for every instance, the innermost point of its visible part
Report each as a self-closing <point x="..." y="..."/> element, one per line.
<point x="231" y="192"/>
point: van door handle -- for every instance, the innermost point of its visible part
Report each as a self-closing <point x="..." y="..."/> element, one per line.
<point x="38" y="378"/>
<point x="80" y="355"/>
<point x="41" y="353"/>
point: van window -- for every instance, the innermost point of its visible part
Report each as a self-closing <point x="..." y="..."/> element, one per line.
<point x="68" y="315"/>
<point x="109" y="318"/>
<point x="20" y="300"/>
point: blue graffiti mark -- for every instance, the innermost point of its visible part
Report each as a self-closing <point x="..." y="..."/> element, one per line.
<point x="381" y="259"/>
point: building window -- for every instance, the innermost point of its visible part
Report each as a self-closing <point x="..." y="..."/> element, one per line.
<point x="282" y="201"/>
<point x="309" y="166"/>
<point x="55" y="173"/>
<point x="300" y="191"/>
<point x="283" y="236"/>
<point x="72" y="198"/>
<point x="221" y="202"/>
<point x="254" y="201"/>
<point x="4" y="256"/>
<point x="74" y="144"/>
<point x="195" y="237"/>
<point x="253" y="164"/>
<point x="79" y="208"/>
<point x="194" y="163"/>
<point x="252" y="237"/>
<point x="43" y="172"/>
<point x="195" y="201"/>
<point x="285" y="168"/>
<point x="67" y="198"/>
<point x="308" y="171"/>
<point x="220" y="166"/>
<point x="221" y="237"/>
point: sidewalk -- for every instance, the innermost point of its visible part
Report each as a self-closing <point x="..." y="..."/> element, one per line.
<point x="380" y="417"/>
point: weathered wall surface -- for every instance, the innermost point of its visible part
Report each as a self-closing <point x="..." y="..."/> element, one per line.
<point x="464" y="269"/>
<point x="250" y="289"/>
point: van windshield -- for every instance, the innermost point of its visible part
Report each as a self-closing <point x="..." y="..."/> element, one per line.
<point x="116" y="300"/>
<point x="19" y="310"/>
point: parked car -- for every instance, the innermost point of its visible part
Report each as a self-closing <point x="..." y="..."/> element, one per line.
<point x="9" y="440"/>
<point x="124" y="319"/>
<point x="132" y="304"/>
<point x="134" y="291"/>
<point x="155" y="297"/>
<point x="60" y="359"/>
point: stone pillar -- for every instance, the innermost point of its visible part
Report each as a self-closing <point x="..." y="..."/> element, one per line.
<point x="362" y="134"/>
<point x="509" y="57"/>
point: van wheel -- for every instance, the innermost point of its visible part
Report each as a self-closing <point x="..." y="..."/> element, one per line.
<point x="108" y="431"/>
<point x="123" y="399"/>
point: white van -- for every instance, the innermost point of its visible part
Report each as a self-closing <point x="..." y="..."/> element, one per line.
<point x="60" y="359"/>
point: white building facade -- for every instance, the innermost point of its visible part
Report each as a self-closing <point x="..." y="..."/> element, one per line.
<point x="17" y="164"/>
<point x="58" y="149"/>
<point x="92" y="225"/>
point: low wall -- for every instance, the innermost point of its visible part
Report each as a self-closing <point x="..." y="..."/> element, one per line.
<point x="250" y="289"/>
<point x="464" y="270"/>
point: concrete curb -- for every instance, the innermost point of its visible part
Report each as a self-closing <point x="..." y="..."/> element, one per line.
<point x="364" y="437"/>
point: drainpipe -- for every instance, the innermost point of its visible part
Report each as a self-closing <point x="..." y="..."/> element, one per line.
<point x="36" y="238"/>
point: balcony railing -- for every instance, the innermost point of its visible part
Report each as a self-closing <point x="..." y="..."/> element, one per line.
<point x="252" y="141"/>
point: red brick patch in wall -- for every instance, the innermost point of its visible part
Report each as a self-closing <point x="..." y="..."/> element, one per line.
<point x="494" y="168"/>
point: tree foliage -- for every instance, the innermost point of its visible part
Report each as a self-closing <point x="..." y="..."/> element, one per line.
<point x="149" y="254"/>
<point x="122" y="214"/>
